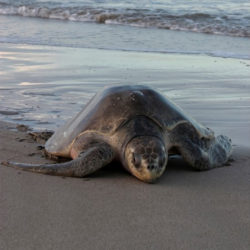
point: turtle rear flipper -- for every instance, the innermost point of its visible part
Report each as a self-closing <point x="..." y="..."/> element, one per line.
<point x="86" y="163"/>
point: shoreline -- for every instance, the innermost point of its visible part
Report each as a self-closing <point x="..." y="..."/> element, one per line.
<point x="108" y="37"/>
<point x="160" y="52"/>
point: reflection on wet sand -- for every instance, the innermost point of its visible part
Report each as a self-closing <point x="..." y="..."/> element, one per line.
<point x="43" y="86"/>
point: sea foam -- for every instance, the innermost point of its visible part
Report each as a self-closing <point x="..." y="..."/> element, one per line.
<point x="232" y="23"/>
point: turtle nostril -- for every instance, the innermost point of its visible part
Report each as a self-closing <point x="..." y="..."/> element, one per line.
<point x="151" y="166"/>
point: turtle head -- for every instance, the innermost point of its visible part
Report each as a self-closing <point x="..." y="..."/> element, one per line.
<point x="146" y="158"/>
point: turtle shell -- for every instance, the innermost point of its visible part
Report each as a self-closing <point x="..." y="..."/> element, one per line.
<point x="113" y="106"/>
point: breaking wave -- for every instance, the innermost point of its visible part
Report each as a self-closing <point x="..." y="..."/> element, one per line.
<point x="223" y="24"/>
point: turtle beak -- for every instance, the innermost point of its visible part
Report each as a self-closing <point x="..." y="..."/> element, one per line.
<point x="149" y="171"/>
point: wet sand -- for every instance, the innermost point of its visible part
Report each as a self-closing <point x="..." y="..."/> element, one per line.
<point x="43" y="86"/>
<point x="111" y="209"/>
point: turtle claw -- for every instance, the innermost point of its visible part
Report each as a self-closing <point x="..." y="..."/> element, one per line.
<point x="5" y="163"/>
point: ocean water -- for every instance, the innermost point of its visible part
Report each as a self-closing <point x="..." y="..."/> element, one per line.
<point x="55" y="55"/>
<point x="226" y="17"/>
<point x="144" y="25"/>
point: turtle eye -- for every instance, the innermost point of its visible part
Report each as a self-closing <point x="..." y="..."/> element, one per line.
<point x="136" y="160"/>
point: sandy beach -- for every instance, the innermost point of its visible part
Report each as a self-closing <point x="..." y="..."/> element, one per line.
<point x="111" y="209"/>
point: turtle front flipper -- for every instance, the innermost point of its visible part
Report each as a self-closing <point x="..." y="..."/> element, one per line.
<point x="206" y="155"/>
<point x="86" y="163"/>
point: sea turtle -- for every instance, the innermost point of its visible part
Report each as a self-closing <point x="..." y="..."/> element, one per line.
<point x="137" y="126"/>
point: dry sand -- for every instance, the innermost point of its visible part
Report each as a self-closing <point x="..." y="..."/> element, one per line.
<point x="113" y="210"/>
